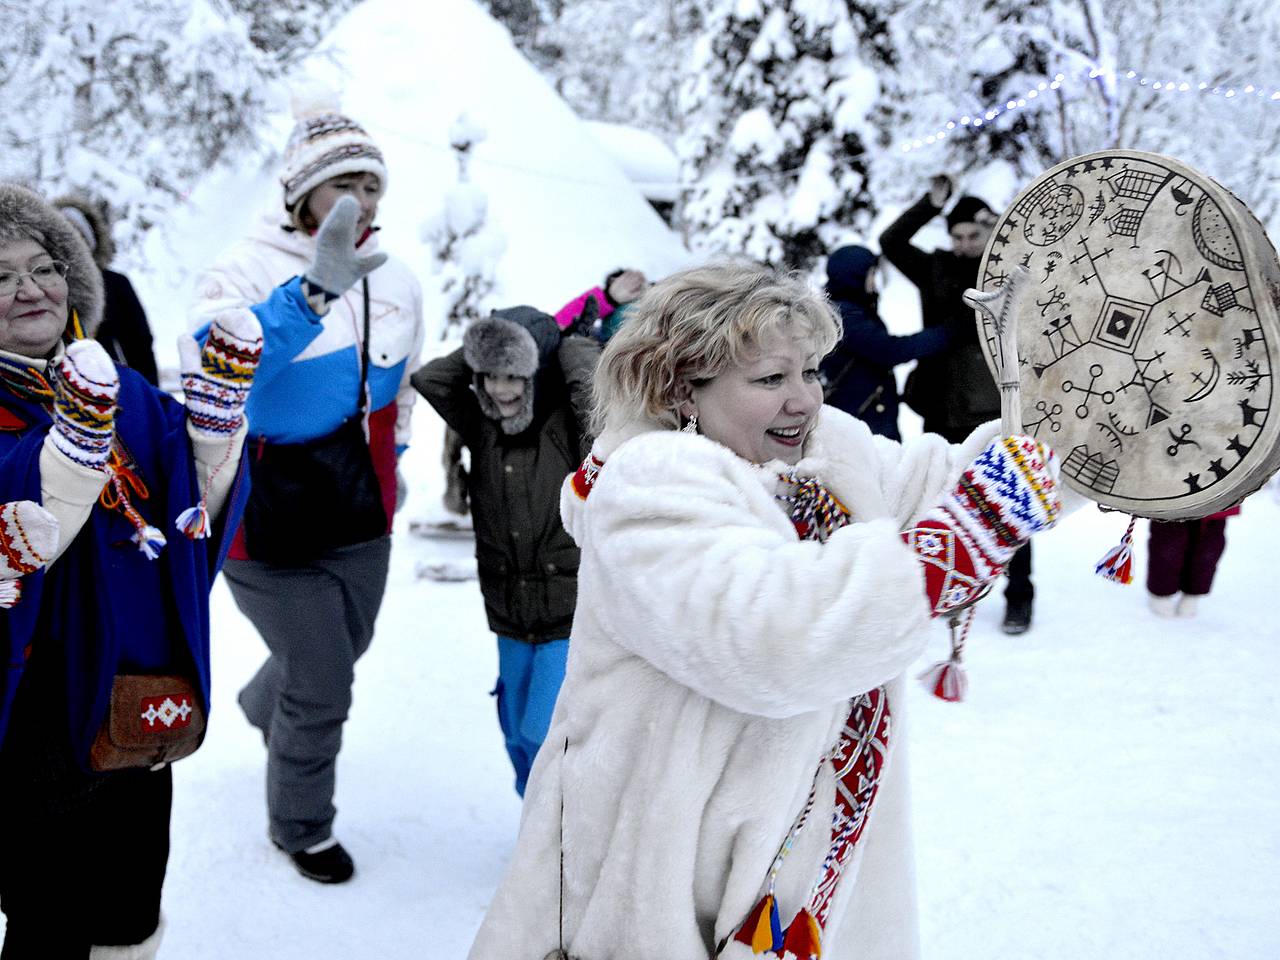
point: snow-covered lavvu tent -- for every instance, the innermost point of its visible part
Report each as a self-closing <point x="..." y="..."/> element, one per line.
<point x="648" y="162"/>
<point x="564" y="210"/>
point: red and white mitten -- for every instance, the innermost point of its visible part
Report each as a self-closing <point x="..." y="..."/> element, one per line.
<point x="28" y="538"/>
<point x="1008" y="493"/>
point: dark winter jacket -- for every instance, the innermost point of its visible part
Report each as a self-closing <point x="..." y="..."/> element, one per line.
<point x="859" y="371"/>
<point x="954" y="391"/>
<point x="528" y="564"/>
<point x="124" y="330"/>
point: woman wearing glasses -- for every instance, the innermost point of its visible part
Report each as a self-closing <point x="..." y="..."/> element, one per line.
<point x="134" y="484"/>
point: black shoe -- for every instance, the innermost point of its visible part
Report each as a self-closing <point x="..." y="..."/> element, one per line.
<point x="1017" y="617"/>
<point x="330" y="865"/>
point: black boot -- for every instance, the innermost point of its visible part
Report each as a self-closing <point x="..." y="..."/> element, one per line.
<point x="1017" y="616"/>
<point x="331" y="864"/>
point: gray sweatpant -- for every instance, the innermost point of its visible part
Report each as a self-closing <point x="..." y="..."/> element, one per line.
<point x="317" y="620"/>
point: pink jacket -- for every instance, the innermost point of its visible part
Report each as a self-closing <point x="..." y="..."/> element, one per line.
<point x="573" y="309"/>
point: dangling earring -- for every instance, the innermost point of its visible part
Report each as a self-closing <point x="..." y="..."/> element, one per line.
<point x="692" y="425"/>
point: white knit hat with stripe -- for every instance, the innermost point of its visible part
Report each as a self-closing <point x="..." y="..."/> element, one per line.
<point x="324" y="144"/>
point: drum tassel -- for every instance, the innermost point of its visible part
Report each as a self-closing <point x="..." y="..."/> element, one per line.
<point x="1117" y="565"/>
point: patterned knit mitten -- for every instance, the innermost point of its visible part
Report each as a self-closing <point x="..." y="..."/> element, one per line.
<point x="217" y="378"/>
<point x="1007" y="494"/>
<point x="28" y="537"/>
<point x="84" y="404"/>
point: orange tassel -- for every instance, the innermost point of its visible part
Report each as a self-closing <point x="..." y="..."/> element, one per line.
<point x="1117" y="565"/>
<point x="804" y="939"/>
<point x="762" y="930"/>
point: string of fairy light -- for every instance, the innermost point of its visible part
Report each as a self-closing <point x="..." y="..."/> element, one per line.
<point x="970" y="121"/>
<point x="980" y="118"/>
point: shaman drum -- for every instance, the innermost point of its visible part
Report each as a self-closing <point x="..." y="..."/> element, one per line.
<point x="1147" y="333"/>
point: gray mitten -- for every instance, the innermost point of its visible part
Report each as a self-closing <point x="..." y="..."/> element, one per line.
<point x="337" y="266"/>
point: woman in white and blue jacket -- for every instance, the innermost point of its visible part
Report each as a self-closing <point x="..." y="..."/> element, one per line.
<point x="317" y="618"/>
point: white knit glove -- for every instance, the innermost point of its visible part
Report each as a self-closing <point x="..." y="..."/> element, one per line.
<point x="216" y="378"/>
<point x="84" y="404"/>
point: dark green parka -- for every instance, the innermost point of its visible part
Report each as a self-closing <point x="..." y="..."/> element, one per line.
<point x="528" y="564"/>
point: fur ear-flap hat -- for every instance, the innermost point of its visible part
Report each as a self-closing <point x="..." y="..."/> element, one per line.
<point x="26" y="216"/>
<point x="500" y="347"/>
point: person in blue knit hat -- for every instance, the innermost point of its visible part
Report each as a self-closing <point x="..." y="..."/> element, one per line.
<point x="859" y="370"/>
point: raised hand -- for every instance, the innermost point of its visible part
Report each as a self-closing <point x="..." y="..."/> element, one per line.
<point x="1007" y="494"/>
<point x="627" y="286"/>
<point x="216" y="378"/>
<point x="336" y="266"/>
<point x="84" y="404"/>
<point x="585" y="322"/>
<point x="940" y="190"/>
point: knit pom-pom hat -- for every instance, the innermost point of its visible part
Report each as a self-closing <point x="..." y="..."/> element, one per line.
<point x="495" y="346"/>
<point x="325" y="144"/>
<point x="25" y="215"/>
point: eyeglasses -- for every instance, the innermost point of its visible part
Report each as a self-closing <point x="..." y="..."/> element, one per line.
<point x="47" y="276"/>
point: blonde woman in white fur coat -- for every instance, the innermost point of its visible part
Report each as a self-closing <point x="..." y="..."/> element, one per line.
<point x="726" y="773"/>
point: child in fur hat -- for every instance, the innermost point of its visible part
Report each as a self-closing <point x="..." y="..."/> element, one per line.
<point x="518" y="394"/>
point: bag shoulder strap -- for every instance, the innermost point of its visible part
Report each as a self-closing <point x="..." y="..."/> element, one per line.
<point x="835" y="382"/>
<point x="364" y="350"/>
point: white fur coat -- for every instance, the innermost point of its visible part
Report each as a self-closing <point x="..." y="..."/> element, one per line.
<point x="712" y="657"/>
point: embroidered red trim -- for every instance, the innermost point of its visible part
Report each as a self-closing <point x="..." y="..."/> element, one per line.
<point x="586" y="476"/>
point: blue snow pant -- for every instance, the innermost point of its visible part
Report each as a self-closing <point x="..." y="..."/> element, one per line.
<point x="529" y="678"/>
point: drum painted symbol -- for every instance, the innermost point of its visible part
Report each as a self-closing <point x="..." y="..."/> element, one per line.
<point x="1153" y="318"/>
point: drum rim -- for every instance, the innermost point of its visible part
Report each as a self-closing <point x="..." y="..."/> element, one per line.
<point x="1248" y="230"/>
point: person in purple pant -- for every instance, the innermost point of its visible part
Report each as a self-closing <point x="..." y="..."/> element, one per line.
<point x="1182" y="557"/>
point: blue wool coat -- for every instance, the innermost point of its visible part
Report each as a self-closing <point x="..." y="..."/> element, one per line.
<point x="860" y="368"/>
<point x="103" y="607"/>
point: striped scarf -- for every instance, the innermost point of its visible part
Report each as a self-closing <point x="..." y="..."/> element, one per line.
<point x="857" y="760"/>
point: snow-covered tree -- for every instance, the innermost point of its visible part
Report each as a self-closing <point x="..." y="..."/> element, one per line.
<point x="781" y="98"/>
<point x="1064" y="77"/>
<point x="288" y="30"/>
<point x="465" y="249"/>
<point x="622" y="61"/>
<point x="134" y="102"/>
<point x="527" y="20"/>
